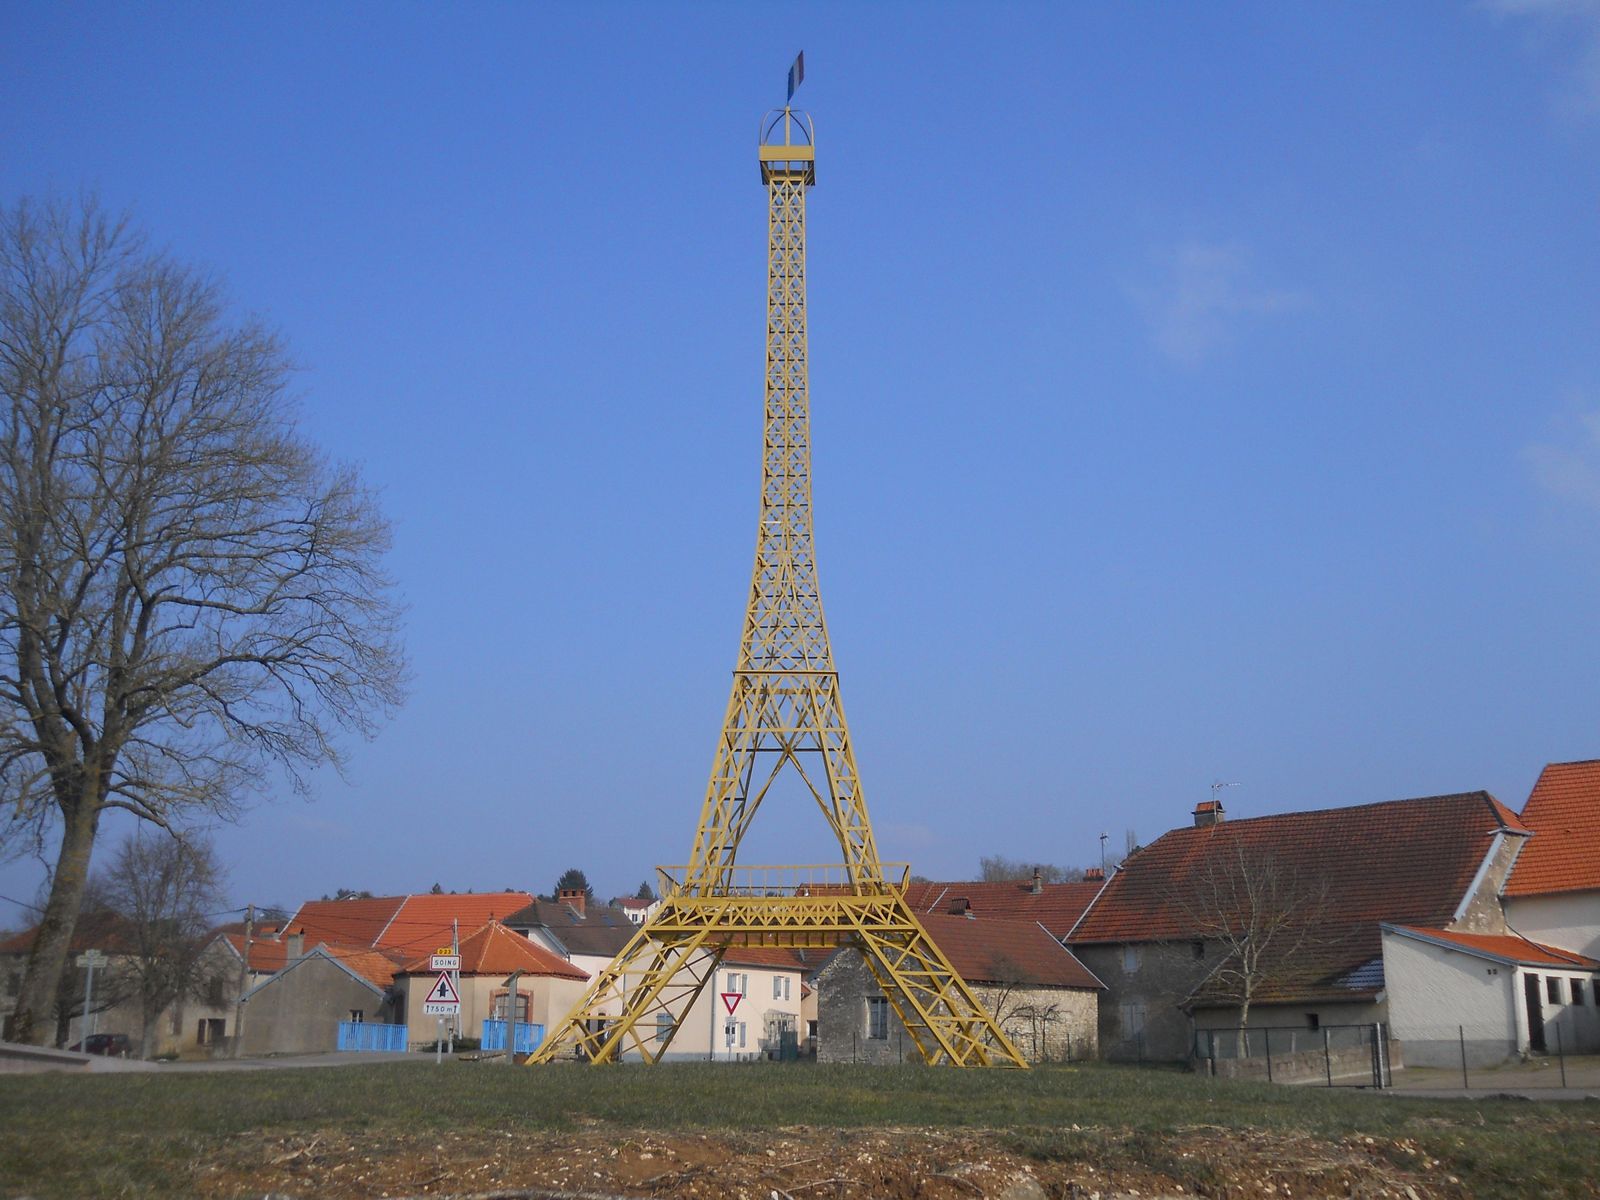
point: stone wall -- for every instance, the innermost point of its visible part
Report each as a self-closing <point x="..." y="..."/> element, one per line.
<point x="299" y="1010"/>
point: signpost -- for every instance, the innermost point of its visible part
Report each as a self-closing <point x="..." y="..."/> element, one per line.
<point x="730" y="1001"/>
<point x="443" y="998"/>
<point x="89" y="959"/>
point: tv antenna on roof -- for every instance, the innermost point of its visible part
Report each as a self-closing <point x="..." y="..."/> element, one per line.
<point x="1217" y="786"/>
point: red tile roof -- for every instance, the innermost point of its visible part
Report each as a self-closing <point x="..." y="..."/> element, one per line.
<point x="411" y="925"/>
<point x="376" y="967"/>
<point x="495" y="950"/>
<point x="357" y="922"/>
<point x="265" y="954"/>
<point x="1057" y="906"/>
<point x="1405" y="861"/>
<point x="1511" y="949"/>
<point x="1006" y="952"/>
<point x="1563" y="855"/>
<point x="772" y="957"/>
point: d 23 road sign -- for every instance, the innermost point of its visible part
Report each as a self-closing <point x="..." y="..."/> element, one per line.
<point x="443" y="1000"/>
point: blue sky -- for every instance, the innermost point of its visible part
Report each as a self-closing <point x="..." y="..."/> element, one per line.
<point x="1199" y="393"/>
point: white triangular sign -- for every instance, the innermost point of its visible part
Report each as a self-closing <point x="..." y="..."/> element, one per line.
<point x="444" y="992"/>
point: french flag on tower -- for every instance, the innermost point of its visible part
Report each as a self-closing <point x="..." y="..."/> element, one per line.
<point x="797" y="74"/>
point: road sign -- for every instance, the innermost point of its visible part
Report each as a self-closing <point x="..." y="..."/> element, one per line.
<point x="443" y="1000"/>
<point x="731" y="1000"/>
<point x="446" y="962"/>
<point x="92" y="958"/>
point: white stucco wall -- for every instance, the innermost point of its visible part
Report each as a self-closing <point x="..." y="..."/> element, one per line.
<point x="1570" y="920"/>
<point x="1437" y="995"/>
<point x="703" y="1025"/>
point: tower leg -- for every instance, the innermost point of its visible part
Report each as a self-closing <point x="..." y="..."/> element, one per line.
<point x="652" y="975"/>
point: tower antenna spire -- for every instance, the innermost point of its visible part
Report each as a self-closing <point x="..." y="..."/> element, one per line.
<point x="784" y="718"/>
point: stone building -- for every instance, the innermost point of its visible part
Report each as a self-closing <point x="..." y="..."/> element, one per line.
<point x="1042" y="996"/>
<point x="1314" y="890"/>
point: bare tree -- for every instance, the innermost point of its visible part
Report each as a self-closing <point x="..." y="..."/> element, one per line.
<point x="1264" y="914"/>
<point x="166" y="888"/>
<point x="997" y="868"/>
<point x="189" y="592"/>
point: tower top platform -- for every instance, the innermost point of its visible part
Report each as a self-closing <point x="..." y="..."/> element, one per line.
<point x="787" y="145"/>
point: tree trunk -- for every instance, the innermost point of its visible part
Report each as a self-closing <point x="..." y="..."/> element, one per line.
<point x="31" y="1022"/>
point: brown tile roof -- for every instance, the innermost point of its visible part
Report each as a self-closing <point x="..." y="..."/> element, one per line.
<point x="600" y="930"/>
<point x="1006" y="952"/>
<point x="1405" y="861"/>
<point x="106" y="931"/>
<point x="1563" y="855"/>
<point x="496" y="950"/>
<point x="1511" y="949"/>
<point x="1057" y="906"/>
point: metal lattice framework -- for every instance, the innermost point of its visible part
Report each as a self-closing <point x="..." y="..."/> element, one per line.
<point x="784" y="714"/>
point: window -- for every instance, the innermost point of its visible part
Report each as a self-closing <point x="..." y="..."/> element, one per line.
<point x="14" y="985"/>
<point x="1130" y="959"/>
<point x="878" y="1017"/>
<point x="663" y="1027"/>
<point x="359" y="1017"/>
<point x="1199" y="949"/>
<point x="1313" y="1021"/>
<point x="499" y="1009"/>
<point x="1577" y="992"/>
<point x="1132" y="1015"/>
<point x="1552" y="989"/>
<point x="777" y="987"/>
<point x="741" y="1035"/>
<point x="738" y="983"/>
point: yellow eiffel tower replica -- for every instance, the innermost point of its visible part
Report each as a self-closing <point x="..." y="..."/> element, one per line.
<point x="784" y="713"/>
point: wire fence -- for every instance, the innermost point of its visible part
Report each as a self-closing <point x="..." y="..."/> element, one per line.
<point x="1467" y="1056"/>
<point x="1329" y="1056"/>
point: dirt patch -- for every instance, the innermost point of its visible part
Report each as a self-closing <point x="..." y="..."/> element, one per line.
<point x="812" y="1164"/>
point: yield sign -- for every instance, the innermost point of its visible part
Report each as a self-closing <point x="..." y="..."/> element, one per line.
<point x="443" y="992"/>
<point x="731" y="1000"/>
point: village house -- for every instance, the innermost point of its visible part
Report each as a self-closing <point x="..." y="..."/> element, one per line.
<point x="546" y="991"/>
<point x="196" y="1024"/>
<point x="1056" y="906"/>
<point x="299" y="1009"/>
<point x="1553" y="894"/>
<point x="1044" y="999"/>
<point x="1317" y="888"/>
<point x="341" y="959"/>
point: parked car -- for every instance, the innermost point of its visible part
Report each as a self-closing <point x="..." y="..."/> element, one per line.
<point x="112" y="1045"/>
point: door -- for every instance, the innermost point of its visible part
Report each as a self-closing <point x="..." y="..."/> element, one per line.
<point x="1535" y="999"/>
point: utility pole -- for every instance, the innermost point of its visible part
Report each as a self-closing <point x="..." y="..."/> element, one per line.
<point x="511" y="1017"/>
<point x="244" y="978"/>
<point x="455" y="948"/>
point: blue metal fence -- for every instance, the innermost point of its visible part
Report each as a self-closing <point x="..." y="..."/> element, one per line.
<point x="372" y="1036"/>
<point x="528" y="1036"/>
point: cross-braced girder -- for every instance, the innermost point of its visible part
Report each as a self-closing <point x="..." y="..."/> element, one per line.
<point x="784" y="713"/>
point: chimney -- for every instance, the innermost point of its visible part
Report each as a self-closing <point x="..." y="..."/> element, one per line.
<point x="576" y="897"/>
<point x="1208" y="812"/>
<point x="296" y="944"/>
<point x="1094" y="875"/>
<point x="1038" y="882"/>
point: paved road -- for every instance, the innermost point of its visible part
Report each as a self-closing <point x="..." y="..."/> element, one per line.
<point x="16" y="1059"/>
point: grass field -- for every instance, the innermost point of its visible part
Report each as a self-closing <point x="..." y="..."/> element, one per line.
<point x="230" y="1133"/>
